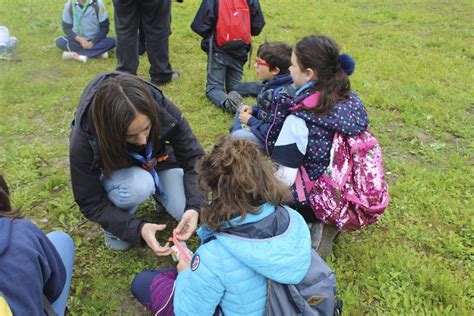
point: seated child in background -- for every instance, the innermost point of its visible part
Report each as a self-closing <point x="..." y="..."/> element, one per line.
<point x="7" y="45"/>
<point x="272" y="67"/>
<point x="227" y="46"/>
<point x="35" y="269"/>
<point x="86" y="25"/>
<point x="247" y="237"/>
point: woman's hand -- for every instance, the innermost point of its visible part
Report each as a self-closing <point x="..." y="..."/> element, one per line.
<point x="148" y="234"/>
<point x="182" y="265"/>
<point x="187" y="225"/>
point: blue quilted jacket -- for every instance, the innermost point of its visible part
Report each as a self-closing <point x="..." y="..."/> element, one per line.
<point x="229" y="271"/>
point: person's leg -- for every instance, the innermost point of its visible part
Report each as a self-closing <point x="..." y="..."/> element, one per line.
<point x="236" y="124"/>
<point x="216" y="74"/>
<point x="141" y="40"/>
<point x="127" y="20"/>
<point x="156" y="23"/>
<point x="235" y="70"/>
<point x="141" y="286"/>
<point x="245" y="134"/>
<point x="249" y="89"/>
<point x="65" y="247"/>
<point x="172" y="184"/>
<point x="127" y="188"/>
<point x="99" y="48"/>
<point x="68" y="44"/>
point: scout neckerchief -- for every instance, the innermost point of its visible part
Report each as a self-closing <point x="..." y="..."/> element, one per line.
<point x="148" y="163"/>
<point x="82" y="11"/>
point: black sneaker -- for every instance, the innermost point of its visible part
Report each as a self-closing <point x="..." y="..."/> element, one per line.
<point x="174" y="76"/>
<point x="233" y="102"/>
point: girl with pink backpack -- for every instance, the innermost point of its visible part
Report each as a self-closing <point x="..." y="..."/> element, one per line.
<point x="323" y="111"/>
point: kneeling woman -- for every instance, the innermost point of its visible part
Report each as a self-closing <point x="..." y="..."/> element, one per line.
<point x="128" y="143"/>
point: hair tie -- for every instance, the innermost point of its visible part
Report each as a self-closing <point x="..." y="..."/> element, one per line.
<point x="347" y="63"/>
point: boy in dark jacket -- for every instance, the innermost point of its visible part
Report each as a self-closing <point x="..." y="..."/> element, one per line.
<point x="225" y="61"/>
<point x="272" y="67"/>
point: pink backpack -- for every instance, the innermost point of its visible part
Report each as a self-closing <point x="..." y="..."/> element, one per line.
<point x="352" y="192"/>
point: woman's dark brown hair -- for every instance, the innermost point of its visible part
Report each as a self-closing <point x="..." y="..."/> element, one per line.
<point x="5" y="204"/>
<point x="118" y="99"/>
<point x="321" y="54"/>
<point x="239" y="180"/>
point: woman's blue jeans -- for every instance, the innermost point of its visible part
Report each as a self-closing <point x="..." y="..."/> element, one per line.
<point x="127" y="188"/>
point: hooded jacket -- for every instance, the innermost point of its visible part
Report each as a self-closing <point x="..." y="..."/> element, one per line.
<point x="176" y="139"/>
<point x="30" y="267"/>
<point x="230" y="270"/>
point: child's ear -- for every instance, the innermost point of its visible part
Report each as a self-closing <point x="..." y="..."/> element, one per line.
<point x="275" y="71"/>
<point x="310" y="74"/>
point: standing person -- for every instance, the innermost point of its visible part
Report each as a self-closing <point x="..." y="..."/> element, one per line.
<point x="247" y="237"/>
<point x="85" y="25"/>
<point x="128" y="143"/>
<point x="35" y="269"/>
<point x="272" y="67"/>
<point x="323" y="105"/>
<point x="227" y="43"/>
<point x="155" y="19"/>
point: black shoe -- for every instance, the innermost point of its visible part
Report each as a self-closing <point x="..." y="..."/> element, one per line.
<point x="174" y="76"/>
<point x="233" y="102"/>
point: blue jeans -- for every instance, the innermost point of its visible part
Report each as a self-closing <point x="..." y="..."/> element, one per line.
<point x="224" y="74"/>
<point x="65" y="247"/>
<point x="249" y="89"/>
<point x="238" y="132"/>
<point x="70" y="45"/>
<point x="127" y="188"/>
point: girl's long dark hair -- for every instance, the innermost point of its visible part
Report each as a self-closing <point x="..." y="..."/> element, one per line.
<point x="6" y="209"/>
<point x="321" y="54"/>
<point x="117" y="100"/>
<point x="239" y="180"/>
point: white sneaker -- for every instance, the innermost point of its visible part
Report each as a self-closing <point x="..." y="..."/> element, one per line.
<point x="69" y="55"/>
<point x="104" y="55"/>
<point x="80" y="58"/>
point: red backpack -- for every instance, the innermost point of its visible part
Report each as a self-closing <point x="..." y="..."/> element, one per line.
<point x="352" y="192"/>
<point x="233" y="23"/>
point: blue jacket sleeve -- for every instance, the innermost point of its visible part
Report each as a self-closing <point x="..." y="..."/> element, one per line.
<point x="103" y="31"/>
<point x="348" y="117"/>
<point x="205" y="20"/>
<point x="199" y="291"/>
<point x="257" y="21"/>
<point x="259" y="128"/>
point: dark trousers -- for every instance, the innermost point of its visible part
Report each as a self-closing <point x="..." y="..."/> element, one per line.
<point x="71" y="45"/>
<point x="155" y="18"/>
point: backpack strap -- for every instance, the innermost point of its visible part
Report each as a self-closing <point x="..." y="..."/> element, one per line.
<point x="93" y="3"/>
<point x="303" y="178"/>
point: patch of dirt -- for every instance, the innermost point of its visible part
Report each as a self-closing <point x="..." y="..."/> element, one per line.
<point x="45" y="74"/>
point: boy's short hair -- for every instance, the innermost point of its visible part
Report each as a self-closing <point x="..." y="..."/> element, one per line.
<point x="276" y="54"/>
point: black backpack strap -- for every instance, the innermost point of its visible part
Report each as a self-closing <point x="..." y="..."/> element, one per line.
<point x="93" y="3"/>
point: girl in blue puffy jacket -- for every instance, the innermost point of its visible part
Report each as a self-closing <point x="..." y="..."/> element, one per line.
<point x="247" y="237"/>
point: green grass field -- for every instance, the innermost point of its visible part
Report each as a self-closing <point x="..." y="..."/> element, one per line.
<point x="414" y="69"/>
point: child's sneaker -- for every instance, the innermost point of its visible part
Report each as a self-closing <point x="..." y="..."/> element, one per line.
<point x="104" y="55"/>
<point x="233" y="102"/>
<point x="69" y="55"/>
<point x="80" y="58"/>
